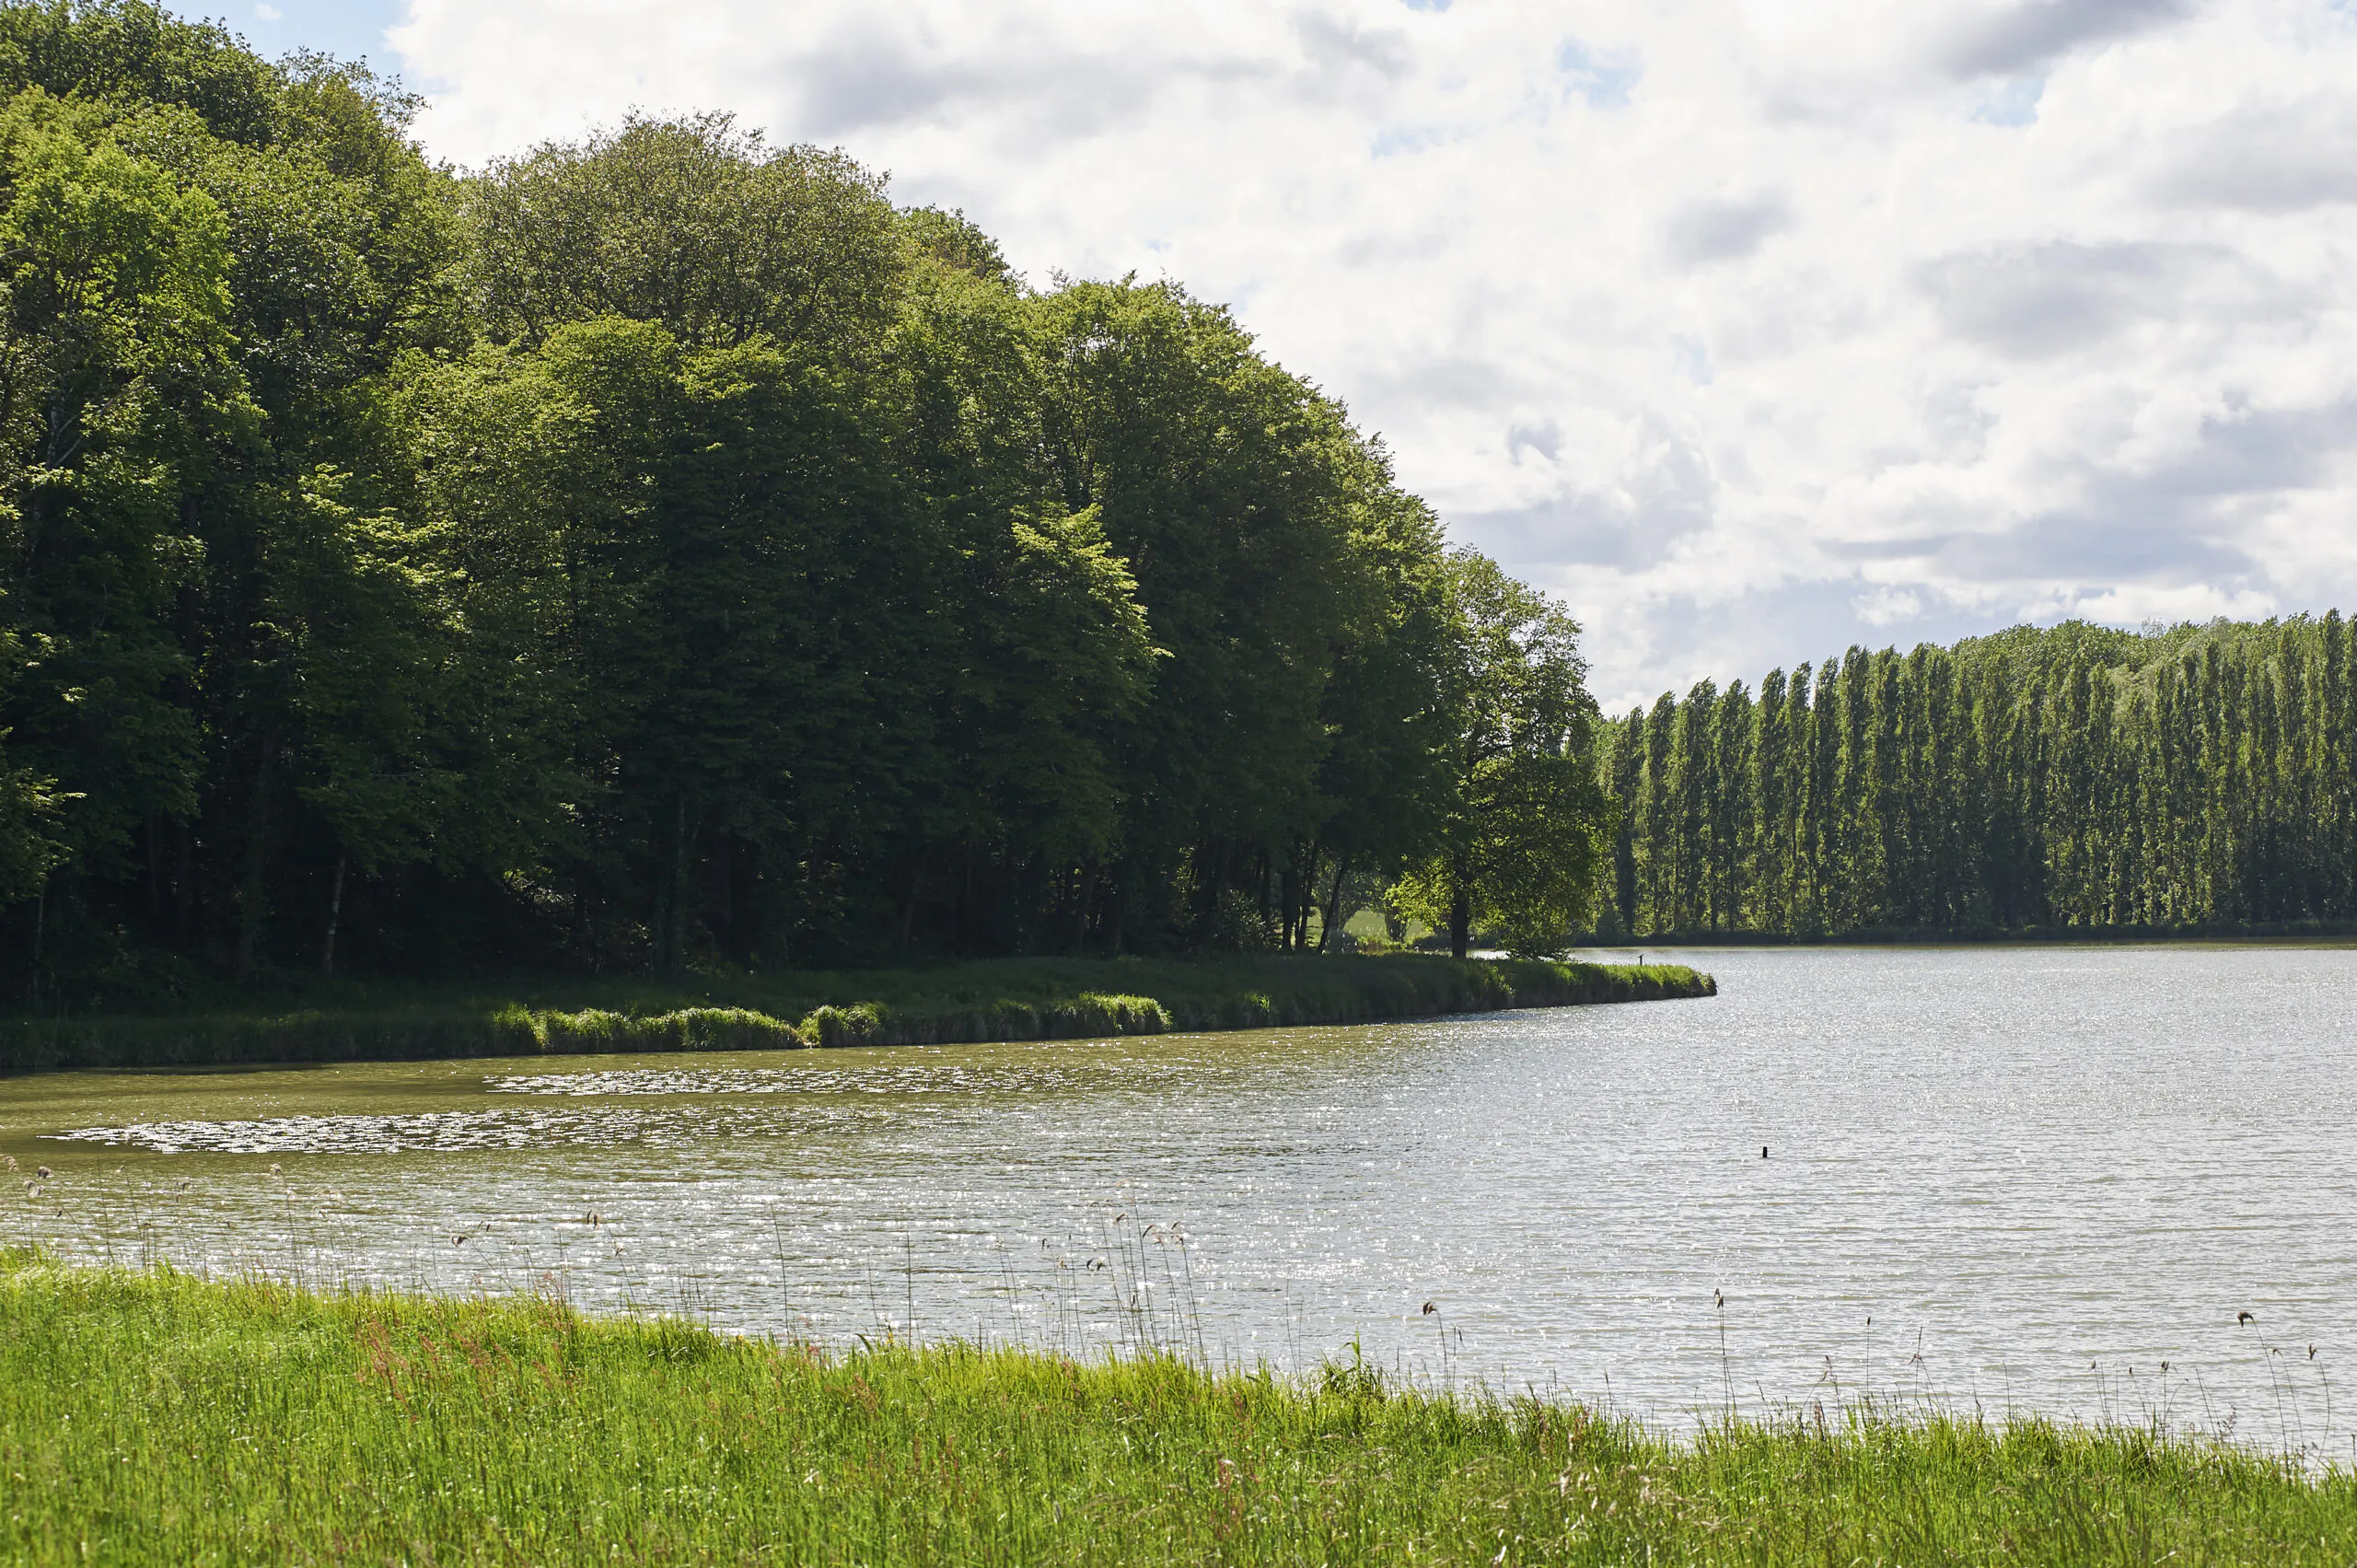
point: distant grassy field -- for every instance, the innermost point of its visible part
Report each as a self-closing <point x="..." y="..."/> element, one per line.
<point x="1004" y="999"/>
<point x="157" y="1419"/>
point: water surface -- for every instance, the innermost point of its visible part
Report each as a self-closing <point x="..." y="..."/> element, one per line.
<point x="2022" y="1178"/>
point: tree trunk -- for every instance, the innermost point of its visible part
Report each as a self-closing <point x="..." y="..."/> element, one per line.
<point x="583" y="942"/>
<point x="1305" y="897"/>
<point x="155" y="872"/>
<point x="1461" y="921"/>
<point x="250" y="900"/>
<point x="1293" y="890"/>
<point x="335" y="915"/>
<point x="720" y="890"/>
<point x="1334" y="904"/>
<point x="960" y="924"/>
<point x="1220" y="868"/>
<point x="183" y="875"/>
<point x="909" y="905"/>
<point x="671" y="934"/>
<point x="40" y="927"/>
<point x="1080" y="895"/>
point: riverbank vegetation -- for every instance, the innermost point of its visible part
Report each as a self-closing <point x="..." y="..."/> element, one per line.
<point x="2073" y="779"/>
<point x="155" y="1418"/>
<point x="662" y="551"/>
<point x="990" y="1000"/>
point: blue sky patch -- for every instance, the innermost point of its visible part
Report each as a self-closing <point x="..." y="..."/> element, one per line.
<point x="2013" y="102"/>
<point x="1604" y="79"/>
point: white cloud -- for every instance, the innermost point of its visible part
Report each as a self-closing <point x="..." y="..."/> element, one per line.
<point x="1888" y="607"/>
<point x="1750" y="326"/>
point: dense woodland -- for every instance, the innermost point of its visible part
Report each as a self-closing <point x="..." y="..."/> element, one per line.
<point x="661" y="550"/>
<point x="2198" y="776"/>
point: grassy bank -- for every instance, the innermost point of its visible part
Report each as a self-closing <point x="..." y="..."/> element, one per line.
<point x="158" y="1419"/>
<point x="1012" y="999"/>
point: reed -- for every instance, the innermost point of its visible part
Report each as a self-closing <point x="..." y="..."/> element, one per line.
<point x="1010" y="999"/>
<point x="155" y="1418"/>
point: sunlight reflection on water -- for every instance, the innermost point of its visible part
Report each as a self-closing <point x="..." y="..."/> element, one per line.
<point x="2017" y="1178"/>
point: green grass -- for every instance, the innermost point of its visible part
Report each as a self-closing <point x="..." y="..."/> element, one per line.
<point x="1006" y="999"/>
<point x="158" y="1419"/>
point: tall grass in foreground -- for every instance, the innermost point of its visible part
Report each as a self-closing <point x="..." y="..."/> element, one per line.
<point x="155" y="1418"/>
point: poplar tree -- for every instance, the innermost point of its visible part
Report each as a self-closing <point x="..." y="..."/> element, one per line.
<point x="2075" y="776"/>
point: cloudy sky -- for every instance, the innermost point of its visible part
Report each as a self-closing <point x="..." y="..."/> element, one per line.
<point x="1753" y="327"/>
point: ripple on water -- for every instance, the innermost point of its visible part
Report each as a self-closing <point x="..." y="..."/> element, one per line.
<point x="2028" y="1177"/>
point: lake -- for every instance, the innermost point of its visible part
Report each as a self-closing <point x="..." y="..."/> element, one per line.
<point x="2020" y="1178"/>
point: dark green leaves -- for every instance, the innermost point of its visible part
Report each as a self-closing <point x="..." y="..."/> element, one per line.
<point x="658" y="551"/>
<point x="1525" y="835"/>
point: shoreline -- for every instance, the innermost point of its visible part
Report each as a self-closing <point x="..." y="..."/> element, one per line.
<point x="2331" y="934"/>
<point x="968" y="1004"/>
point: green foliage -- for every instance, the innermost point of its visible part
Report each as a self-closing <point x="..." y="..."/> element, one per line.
<point x="986" y="1000"/>
<point x="28" y="808"/>
<point x="130" y="53"/>
<point x="229" y="642"/>
<point x="2067" y="778"/>
<point x="695" y="224"/>
<point x="657" y="552"/>
<point x="162" y="1419"/>
<point x="113" y="333"/>
<point x="950" y="240"/>
<point x="1521" y="846"/>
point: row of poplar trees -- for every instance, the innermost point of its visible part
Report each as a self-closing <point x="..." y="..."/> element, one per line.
<point x="2074" y="776"/>
<point x="661" y="549"/>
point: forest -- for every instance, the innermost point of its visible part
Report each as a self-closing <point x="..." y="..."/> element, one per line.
<point x="2196" y="777"/>
<point x="661" y="549"/>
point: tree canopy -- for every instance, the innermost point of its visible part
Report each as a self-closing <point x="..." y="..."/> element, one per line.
<point x="660" y="548"/>
<point x="1526" y="820"/>
<point x="2073" y="776"/>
